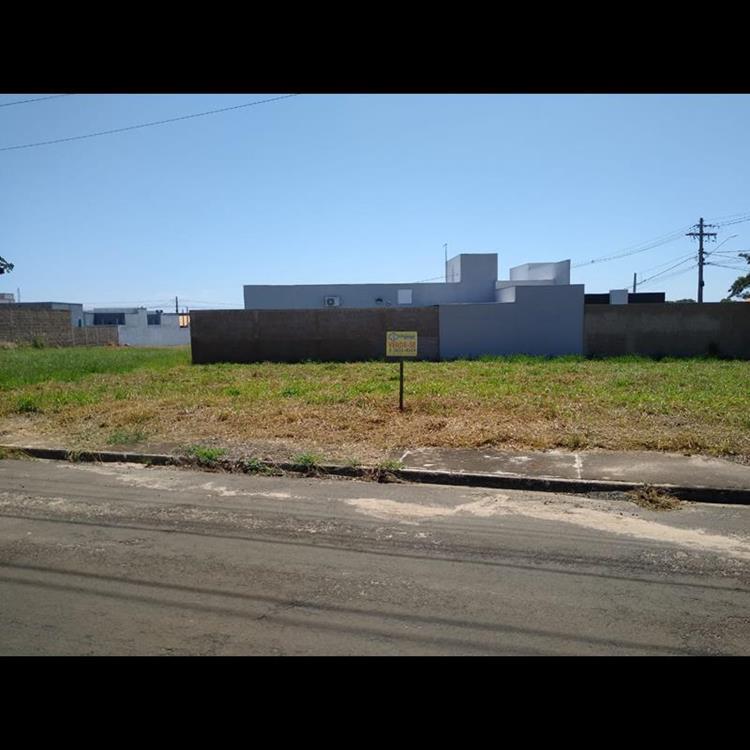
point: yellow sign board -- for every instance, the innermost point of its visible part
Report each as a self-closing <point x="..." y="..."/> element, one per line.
<point x="401" y="344"/>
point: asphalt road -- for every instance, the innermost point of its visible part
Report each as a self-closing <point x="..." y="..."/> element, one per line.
<point x="125" y="559"/>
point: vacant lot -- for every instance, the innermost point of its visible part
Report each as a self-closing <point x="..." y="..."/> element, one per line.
<point x="126" y="398"/>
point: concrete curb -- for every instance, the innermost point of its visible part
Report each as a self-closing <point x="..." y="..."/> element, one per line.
<point x="529" y="483"/>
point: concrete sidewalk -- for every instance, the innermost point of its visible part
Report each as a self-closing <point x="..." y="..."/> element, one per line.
<point x="696" y="478"/>
<point x="636" y="467"/>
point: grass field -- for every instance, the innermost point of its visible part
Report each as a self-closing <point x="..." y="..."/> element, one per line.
<point x="104" y="397"/>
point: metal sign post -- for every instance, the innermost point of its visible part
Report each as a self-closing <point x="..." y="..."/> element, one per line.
<point x="401" y="385"/>
<point x="401" y="344"/>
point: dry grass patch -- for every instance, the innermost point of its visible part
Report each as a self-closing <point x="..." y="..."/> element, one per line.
<point x="345" y="410"/>
<point x="653" y="498"/>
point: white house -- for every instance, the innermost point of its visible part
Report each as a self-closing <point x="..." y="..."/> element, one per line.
<point x="137" y="326"/>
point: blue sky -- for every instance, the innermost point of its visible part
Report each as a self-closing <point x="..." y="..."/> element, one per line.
<point x="355" y="188"/>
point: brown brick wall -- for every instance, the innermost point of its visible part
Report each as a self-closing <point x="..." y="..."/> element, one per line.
<point x="668" y="330"/>
<point x="51" y="327"/>
<point x="96" y="336"/>
<point x="336" y="335"/>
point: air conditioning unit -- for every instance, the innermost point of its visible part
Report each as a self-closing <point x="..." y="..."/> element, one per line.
<point x="332" y="301"/>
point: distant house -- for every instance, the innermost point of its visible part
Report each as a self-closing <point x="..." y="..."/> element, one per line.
<point x="138" y="326"/>
<point x="535" y="311"/>
<point x="622" y="296"/>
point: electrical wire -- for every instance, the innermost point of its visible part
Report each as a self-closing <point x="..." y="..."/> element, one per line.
<point x="724" y="254"/>
<point x="661" y="275"/>
<point x="206" y="302"/>
<point x="663" y="240"/>
<point x="733" y="268"/>
<point x="131" y="303"/>
<point x="38" y="99"/>
<point x="736" y="221"/>
<point x="147" y="124"/>
<point x="728" y="217"/>
<point x="666" y="262"/>
<point x="635" y="249"/>
<point x="677" y="273"/>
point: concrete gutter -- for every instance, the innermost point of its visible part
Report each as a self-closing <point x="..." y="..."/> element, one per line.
<point x="531" y="483"/>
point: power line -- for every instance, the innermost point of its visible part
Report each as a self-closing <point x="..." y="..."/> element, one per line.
<point x="635" y="249"/>
<point x="736" y="221"/>
<point x="38" y="99"/>
<point x="663" y="240"/>
<point x="667" y="262"/>
<point x="148" y="124"/>
<point x="727" y="218"/>
<point x="207" y="302"/>
<point x="666" y="270"/>
<point x="683" y="258"/>
<point x="672" y="275"/>
<point x="131" y="302"/>
<point x="732" y="268"/>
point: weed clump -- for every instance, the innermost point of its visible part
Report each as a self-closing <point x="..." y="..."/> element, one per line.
<point x="204" y="455"/>
<point x="256" y="466"/>
<point x="126" y="437"/>
<point x="27" y="405"/>
<point x="652" y="498"/>
<point x="309" y="462"/>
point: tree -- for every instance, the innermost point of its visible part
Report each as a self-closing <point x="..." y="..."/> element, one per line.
<point x="741" y="286"/>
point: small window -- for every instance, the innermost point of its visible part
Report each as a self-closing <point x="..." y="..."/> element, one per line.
<point x="404" y="296"/>
<point x="154" y="319"/>
<point x="109" y="319"/>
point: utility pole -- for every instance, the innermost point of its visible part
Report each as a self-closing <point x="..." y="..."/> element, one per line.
<point x="635" y="282"/>
<point x="700" y="234"/>
<point x="176" y="309"/>
<point x="445" y="247"/>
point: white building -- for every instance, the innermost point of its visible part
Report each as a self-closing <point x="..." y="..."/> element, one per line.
<point x="536" y="311"/>
<point x="137" y="326"/>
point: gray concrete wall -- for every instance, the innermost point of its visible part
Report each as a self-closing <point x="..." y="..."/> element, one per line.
<point x="543" y="320"/>
<point x="332" y="334"/>
<point x="551" y="273"/>
<point x="474" y="276"/>
<point x="137" y="332"/>
<point x="152" y="335"/>
<point x="668" y="330"/>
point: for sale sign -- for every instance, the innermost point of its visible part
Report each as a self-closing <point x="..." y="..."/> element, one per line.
<point x="401" y="344"/>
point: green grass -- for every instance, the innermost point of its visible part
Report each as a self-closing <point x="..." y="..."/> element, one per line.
<point x="390" y="465"/>
<point x="27" y="405"/>
<point x="307" y="460"/>
<point x="256" y="466"/>
<point x="91" y="396"/>
<point x="205" y="455"/>
<point x="127" y="437"/>
<point x="28" y="365"/>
